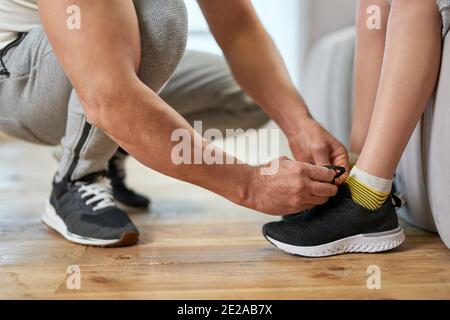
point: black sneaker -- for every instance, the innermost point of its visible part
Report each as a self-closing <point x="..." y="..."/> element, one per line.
<point x="292" y="217"/>
<point x="84" y="212"/>
<point x="301" y="215"/>
<point x="339" y="226"/>
<point x="126" y="198"/>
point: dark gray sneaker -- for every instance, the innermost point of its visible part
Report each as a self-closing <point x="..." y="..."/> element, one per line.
<point x="337" y="227"/>
<point x="127" y="199"/>
<point x="84" y="212"/>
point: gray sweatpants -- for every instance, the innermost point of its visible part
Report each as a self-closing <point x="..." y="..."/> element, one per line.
<point x="38" y="103"/>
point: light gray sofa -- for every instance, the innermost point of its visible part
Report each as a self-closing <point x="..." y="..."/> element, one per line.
<point x="423" y="175"/>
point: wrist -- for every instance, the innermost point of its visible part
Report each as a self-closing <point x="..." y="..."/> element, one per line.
<point x="242" y="185"/>
<point x="296" y="125"/>
<point x="232" y="182"/>
<point x="290" y="114"/>
<point x="251" y="194"/>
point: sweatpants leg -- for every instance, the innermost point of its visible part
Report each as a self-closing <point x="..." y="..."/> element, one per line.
<point x="38" y="103"/>
<point x="85" y="148"/>
<point x="163" y="29"/>
<point x="33" y="100"/>
<point x="203" y="89"/>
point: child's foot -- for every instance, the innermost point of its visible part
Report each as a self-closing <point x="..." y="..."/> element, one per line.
<point x="339" y="226"/>
<point x="307" y="212"/>
<point x="84" y="212"/>
<point x="128" y="199"/>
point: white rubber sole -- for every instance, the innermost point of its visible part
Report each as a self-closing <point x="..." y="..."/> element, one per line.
<point x="362" y="243"/>
<point x="53" y="221"/>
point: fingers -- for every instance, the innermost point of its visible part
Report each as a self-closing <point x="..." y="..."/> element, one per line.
<point x="322" y="189"/>
<point x="301" y="157"/>
<point x="319" y="173"/>
<point x="315" y="201"/>
<point x="343" y="161"/>
<point x="340" y="157"/>
<point x="341" y="179"/>
<point x="320" y="193"/>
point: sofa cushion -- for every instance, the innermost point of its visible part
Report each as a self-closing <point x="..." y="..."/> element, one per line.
<point x="424" y="173"/>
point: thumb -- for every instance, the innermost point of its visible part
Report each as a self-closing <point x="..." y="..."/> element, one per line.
<point x="320" y="154"/>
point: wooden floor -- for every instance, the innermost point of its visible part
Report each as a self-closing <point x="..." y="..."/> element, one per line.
<point x="193" y="245"/>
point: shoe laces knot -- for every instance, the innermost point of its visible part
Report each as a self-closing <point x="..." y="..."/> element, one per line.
<point x="99" y="192"/>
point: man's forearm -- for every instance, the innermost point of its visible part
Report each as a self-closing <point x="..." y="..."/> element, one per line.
<point x="101" y="61"/>
<point x="143" y="124"/>
<point x="258" y="67"/>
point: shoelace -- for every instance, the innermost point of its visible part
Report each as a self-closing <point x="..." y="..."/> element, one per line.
<point x="341" y="171"/>
<point x="99" y="192"/>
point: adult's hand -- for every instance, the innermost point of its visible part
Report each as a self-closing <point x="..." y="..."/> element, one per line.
<point x="294" y="187"/>
<point x="313" y="144"/>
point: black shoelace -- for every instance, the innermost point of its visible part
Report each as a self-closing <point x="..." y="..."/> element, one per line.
<point x="341" y="171"/>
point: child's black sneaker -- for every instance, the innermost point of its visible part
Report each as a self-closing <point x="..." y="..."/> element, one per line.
<point x="339" y="226"/>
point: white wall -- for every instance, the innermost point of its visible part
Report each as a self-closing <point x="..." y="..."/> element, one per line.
<point x="324" y="16"/>
<point x="281" y="21"/>
<point x="294" y="25"/>
<point x="319" y="17"/>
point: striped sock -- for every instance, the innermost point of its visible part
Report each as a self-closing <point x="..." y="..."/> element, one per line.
<point x="368" y="191"/>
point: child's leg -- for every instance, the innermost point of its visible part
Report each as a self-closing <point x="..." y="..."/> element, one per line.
<point x="409" y="73"/>
<point x="368" y="62"/>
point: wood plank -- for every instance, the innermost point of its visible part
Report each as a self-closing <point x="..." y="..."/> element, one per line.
<point x="194" y="245"/>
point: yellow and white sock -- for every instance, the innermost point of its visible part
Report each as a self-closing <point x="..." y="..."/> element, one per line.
<point x="367" y="190"/>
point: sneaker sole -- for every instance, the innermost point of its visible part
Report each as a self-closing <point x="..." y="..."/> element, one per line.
<point x="361" y="243"/>
<point x="54" y="222"/>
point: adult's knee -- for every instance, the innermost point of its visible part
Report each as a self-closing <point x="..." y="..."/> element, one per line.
<point x="163" y="27"/>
